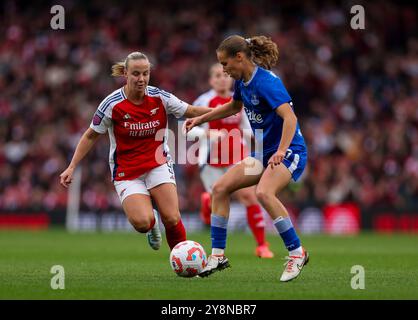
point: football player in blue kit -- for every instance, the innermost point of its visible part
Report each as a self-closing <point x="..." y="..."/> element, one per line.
<point x="280" y="154"/>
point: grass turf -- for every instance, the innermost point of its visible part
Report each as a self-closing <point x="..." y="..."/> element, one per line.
<point x="122" y="266"/>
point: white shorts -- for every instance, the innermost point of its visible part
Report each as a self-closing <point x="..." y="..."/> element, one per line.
<point x="210" y="174"/>
<point x="149" y="180"/>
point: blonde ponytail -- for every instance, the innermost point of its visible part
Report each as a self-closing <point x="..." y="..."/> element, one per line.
<point x="119" y="68"/>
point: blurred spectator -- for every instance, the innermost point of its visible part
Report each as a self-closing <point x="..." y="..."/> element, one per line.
<point x="354" y="91"/>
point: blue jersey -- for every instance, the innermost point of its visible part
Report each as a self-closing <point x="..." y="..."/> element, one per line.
<point x="261" y="96"/>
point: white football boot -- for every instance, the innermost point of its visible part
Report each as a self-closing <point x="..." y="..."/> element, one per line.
<point x="294" y="266"/>
<point x="154" y="235"/>
<point x="215" y="263"/>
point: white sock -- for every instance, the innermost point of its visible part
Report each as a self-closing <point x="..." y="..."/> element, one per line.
<point x="217" y="252"/>
<point x="296" y="252"/>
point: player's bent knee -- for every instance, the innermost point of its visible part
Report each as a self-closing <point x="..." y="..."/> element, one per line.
<point x="219" y="189"/>
<point x="140" y="224"/>
<point x="263" y="196"/>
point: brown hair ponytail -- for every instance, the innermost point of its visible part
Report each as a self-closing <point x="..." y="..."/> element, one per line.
<point x="260" y="49"/>
<point x="264" y="51"/>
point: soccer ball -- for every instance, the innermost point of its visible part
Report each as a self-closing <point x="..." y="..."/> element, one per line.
<point x="188" y="258"/>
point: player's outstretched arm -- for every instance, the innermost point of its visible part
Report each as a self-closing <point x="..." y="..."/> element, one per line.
<point x="195" y="111"/>
<point x="86" y="142"/>
<point x="224" y="111"/>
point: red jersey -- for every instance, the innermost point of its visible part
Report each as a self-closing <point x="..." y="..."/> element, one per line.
<point x="229" y="149"/>
<point x="137" y="133"/>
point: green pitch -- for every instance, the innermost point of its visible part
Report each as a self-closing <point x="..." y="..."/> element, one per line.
<point x="122" y="266"/>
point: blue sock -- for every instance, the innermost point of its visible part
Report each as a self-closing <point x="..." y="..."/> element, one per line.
<point x="218" y="228"/>
<point x="286" y="230"/>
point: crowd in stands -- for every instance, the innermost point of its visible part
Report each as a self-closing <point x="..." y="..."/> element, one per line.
<point x="355" y="92"/>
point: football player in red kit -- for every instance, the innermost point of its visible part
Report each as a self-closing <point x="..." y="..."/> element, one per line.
<point x="134" y="116"/>
<point x="221" y="155"/>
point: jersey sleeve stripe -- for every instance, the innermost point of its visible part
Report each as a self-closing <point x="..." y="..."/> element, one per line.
<point x="165" y="94"/>
<point x="108" y="98"/>
<point x="105" y="102"/>
<point x="154" y="91"/>
<point x="123" y="93"/>
<point x="150" y="88"/>
<point x="109" y="102"/>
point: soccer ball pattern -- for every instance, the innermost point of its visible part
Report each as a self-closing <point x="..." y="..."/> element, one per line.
<point x="188" y="258"/>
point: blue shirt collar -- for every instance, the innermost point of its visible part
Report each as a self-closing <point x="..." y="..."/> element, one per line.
<point x="252" y="76"/>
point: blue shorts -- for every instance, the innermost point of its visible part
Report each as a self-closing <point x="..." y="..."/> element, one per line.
<point x="295" y="160"/>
